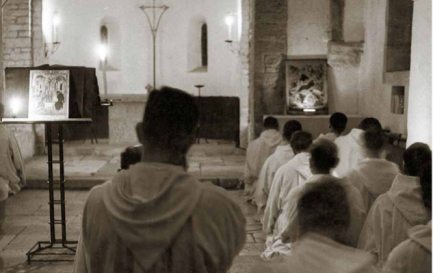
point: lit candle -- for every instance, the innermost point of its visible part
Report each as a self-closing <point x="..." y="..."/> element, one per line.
<point x="15" y="105"/>
<point x="55" y="30"/>
<point x="229" y="20"/>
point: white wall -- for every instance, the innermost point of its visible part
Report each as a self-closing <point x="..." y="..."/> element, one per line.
<point x="308" y="28"/>
<point x="420" y="98"/>
<point x="353" y="20"/>
<point x="79" y="35"/>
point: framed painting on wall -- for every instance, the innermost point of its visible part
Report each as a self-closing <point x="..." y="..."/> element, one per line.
<point x="49" y="94"/>
<point x="306" y="86"/>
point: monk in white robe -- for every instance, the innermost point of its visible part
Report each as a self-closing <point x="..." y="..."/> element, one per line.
<point x="155" y="217"/>
<point x="413" y="255"/>
<point x="324" y="216"/>
<point x="12" y="174"/>
<point x="374" y="175"/>
<point x="290" y="175"/>
<point x="351" y="147"/>
<point x="323" y="159"/>
<point x="337" y="125"/>
<point x="257" y="152"/>
<point x="282" y="154"/>
<point x="396" y="211"/>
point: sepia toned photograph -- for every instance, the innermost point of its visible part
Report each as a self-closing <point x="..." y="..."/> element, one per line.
<point x="215" y="136"/>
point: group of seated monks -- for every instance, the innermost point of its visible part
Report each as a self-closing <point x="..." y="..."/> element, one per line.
<point x="332" y="204"/>
<point x="335" y="203"/>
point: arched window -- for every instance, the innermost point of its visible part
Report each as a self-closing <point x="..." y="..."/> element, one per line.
<point x="204" y="45"/>
<point x="104" y="34"/>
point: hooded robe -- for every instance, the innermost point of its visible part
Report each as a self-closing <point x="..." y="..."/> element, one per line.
<point x="350" y="151"/>
<point x="372" y="177"/>
<point x="391" y="216"/>
<point x="414" y="254"/>
<point x="155" y="217"/>
<point x="282" y="154"/>
<point x="257" y="152"/>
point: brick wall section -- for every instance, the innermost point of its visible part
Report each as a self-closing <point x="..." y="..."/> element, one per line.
<point x="23" y="46"/>
<point x="270" y="49"/>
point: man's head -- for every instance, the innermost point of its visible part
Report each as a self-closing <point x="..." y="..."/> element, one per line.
<point x="415" y="158"/>
<point x="324" y="209"/>
<point x="368" y="123"/>
<point x="324" y="156"/>
<point x="290" y="127"/>
<point x="374" y="140"/>
<point x="338" y="122"/>
<point x="425" y="180"/>
<point x="169" y="121"/>
<point x="301" y="141"/>
<point x="270" y="123"/>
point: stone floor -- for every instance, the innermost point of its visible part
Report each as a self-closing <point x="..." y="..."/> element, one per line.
<point x="89" y="164"/>
<point x="27" y="222"/>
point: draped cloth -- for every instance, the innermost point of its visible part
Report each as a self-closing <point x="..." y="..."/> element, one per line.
<point x="12" y="173"/>
<point x="413" y="255"/>
<point x="372" y="177"/>
<point x="391" y="216"/>
<point x="155" y="217"/>
<point x="315" y="253"/>
<point x="282" y="154"/>
<point x="257" y="152"/>
<point x="350" y="151"/>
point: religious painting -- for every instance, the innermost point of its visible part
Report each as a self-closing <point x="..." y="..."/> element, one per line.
<point x="49" y="94"/>
<point x="306" y="86"/>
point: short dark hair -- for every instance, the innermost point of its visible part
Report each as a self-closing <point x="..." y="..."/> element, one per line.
<point x="270" y="123"/>
<point x="415" y="158"/>
<point x="374" y="139"/>
<point x="338" y="122"/>
<point x="301" y="141"/>
<point x="290" y="127"/>
<point x="425" y="180"/>
<point x="324" y="154"/>
<point x="324" y="208"/>
<point x="170" y="118"/>
<point x="370" y="122"/>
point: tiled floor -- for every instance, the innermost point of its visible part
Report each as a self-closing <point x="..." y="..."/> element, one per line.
<point x="27" y="222"/>
<point x="90" y="164"/>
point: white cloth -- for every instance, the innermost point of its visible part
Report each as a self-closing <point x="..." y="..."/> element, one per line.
<point x="257" y="152"/>
<point x="314" y="253"/>
<point x="356" y="205"/>
<point x="372" y="177"/>
<point x="155" y="217"/>
<point x="329" y="136"/>
<point x="290" y="175"/>
<point x="12" y="174"/>
<point x="282" y="155"/>
<point x="413" y="255"/>
<point x="391" y="215"/>
<point x="350" y="151"/>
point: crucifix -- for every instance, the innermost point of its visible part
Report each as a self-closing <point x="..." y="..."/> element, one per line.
<point x="154" y="14"/>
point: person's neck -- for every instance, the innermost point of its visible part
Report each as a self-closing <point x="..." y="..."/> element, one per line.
<point x="158" y="155"/>
<point x="317" y="172"/>
<point x="375" y="154"/>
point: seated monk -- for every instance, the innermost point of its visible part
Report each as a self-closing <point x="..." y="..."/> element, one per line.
<point x="374" y="174"/>
<point x="400" y="208"/>
<point x="258" y="151"/>
<point x="324" y="217"/>
<point x="155" y="217"/>
<point x="324" y="157"/>
<point x="351" y="147"/>
<point x="290" y="175"/>
<point x="282" y="154"/>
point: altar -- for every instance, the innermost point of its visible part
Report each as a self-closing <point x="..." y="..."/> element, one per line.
<point x="316" y="124"/>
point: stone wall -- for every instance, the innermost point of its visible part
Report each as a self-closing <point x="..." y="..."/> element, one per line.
<point x="22" y="45"/>
<point x="270" y="48"/>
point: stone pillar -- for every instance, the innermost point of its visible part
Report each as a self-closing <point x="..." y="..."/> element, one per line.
<point x="270" y="49"/>
<point x="420" y="82"/>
